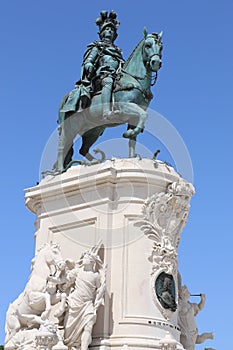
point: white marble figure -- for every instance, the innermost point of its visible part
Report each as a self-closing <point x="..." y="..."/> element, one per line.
<point x="27" y="310"/>
<point x="79" y="289"/>
<point x="23" y="340"/>
<point x="186" y="320"/>
<point x="84" y="300"/>
<point x="57" y="289"/>
<point x="33" y="338"/>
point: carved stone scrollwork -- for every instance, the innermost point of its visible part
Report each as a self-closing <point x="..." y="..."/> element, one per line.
<point x="164" y="216"/>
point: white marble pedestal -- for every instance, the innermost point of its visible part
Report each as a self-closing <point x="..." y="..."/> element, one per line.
<point x="138" y="209"/>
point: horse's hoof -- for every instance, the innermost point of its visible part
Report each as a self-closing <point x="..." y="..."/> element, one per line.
<point x="129" y="133"/>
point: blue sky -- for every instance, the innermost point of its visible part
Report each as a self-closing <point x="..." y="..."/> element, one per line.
<point x="42" y="44"/>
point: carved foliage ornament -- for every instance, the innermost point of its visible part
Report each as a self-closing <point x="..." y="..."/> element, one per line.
<point x="164" y="216"/>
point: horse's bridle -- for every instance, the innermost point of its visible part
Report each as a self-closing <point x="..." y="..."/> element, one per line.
<point x="147" y="63"/>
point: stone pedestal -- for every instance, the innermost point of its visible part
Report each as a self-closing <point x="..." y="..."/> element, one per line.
<point x="137" y="208"/>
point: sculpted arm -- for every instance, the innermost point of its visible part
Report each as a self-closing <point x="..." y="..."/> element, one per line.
<point x="68" y="280"/>
<point x="101" y="285"/>
<point x="202" y="302"/>
<point x="57" y="280"/>
<point x="89" y="60"/>
<point x="200" y="306"/>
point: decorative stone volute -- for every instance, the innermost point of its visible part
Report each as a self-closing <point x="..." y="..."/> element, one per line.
<point x="164" y="216"/>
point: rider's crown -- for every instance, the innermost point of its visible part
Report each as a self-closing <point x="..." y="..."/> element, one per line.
<point x="106" y="20"/>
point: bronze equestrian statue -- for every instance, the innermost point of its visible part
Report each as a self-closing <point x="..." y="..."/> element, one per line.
<point x="111" y="91"/>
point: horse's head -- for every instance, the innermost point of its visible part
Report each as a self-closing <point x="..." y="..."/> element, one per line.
<point x="152" y="51"/>
<point x="46" y="259"/>
<point x="53" y="255"/>
<point x="44" y="264"/>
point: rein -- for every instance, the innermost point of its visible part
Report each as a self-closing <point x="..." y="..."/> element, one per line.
<point x="146" y="92"/>
<point x="153" y="78"/>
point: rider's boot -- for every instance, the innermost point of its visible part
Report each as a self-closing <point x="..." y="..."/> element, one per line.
<point x="106" y="95"/>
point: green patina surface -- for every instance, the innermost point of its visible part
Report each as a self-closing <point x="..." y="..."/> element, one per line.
<point x="108" y="81"/>
<point x="165" y="291"/>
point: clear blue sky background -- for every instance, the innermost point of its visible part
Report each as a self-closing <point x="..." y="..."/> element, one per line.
<point x="42" y="43"/>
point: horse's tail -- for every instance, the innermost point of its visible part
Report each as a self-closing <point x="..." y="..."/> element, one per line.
<point x="89" y="138"/>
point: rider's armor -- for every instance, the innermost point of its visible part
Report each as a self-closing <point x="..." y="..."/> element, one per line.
<point x="101" y="62"/>
<point x="105" y="59"/>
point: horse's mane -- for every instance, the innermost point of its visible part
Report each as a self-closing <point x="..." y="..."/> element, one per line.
<point x="132" y="53"/>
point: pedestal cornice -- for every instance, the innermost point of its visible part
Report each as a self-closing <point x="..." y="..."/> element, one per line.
<point x="133" y="170"/>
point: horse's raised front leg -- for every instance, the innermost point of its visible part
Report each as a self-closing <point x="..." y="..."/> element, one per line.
<point x="134" y="111"/>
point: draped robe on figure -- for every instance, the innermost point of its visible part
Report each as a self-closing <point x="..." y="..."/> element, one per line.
<point x="80" y="310"/>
